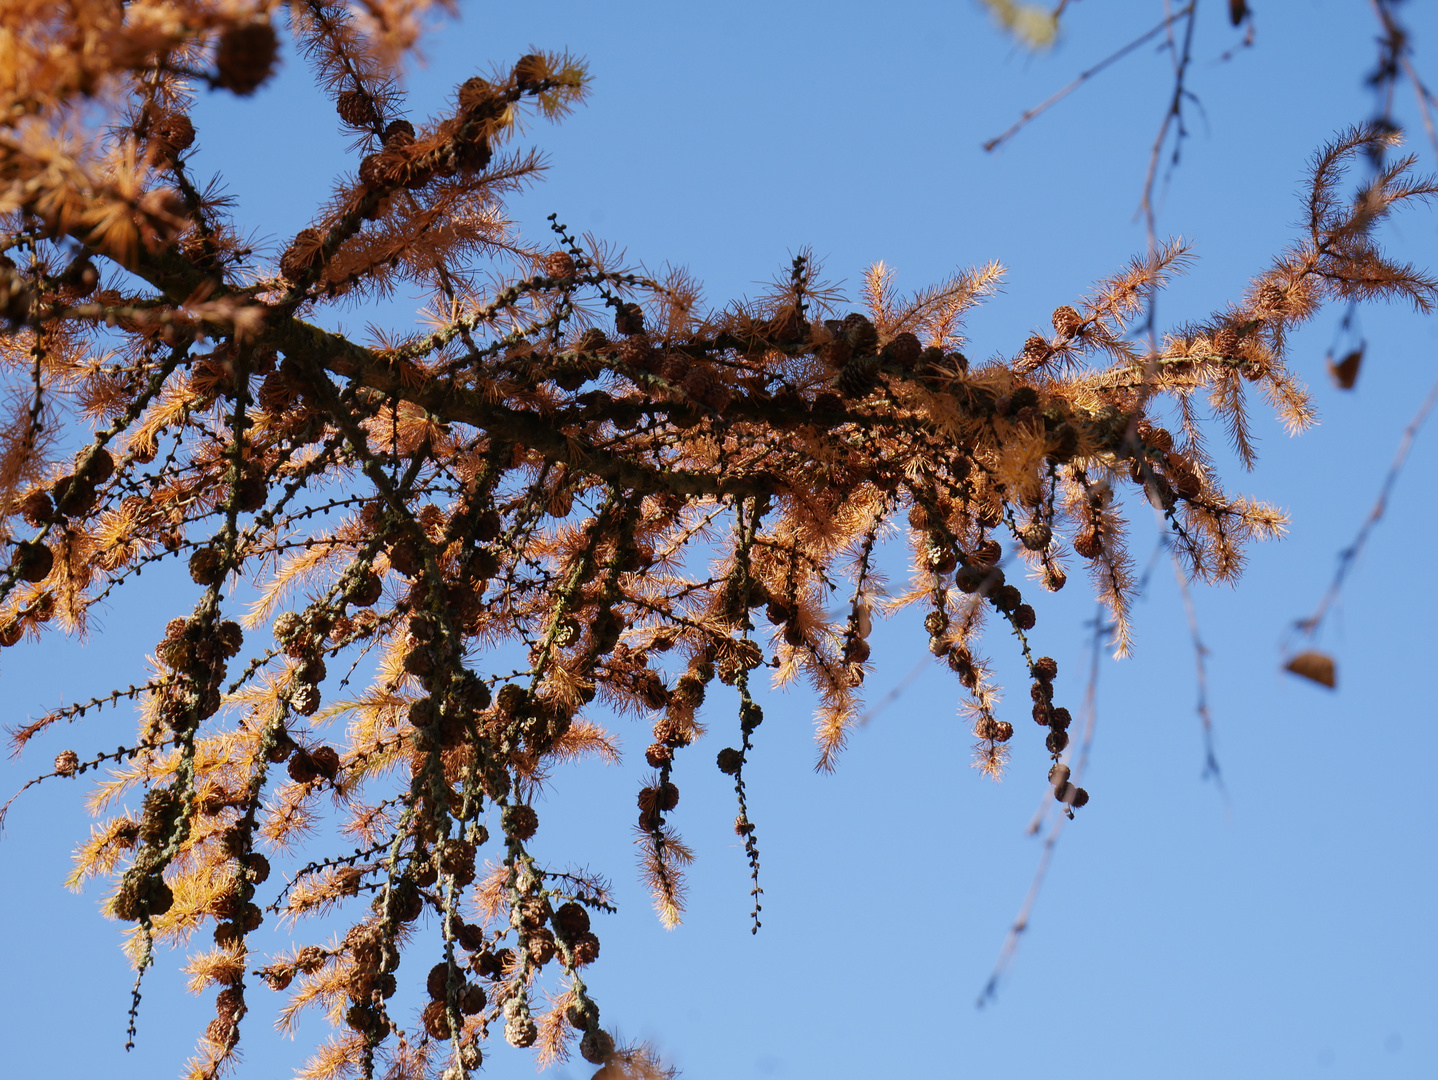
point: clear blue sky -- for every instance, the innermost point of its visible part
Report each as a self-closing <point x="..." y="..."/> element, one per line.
<point x="1280" y="927"/>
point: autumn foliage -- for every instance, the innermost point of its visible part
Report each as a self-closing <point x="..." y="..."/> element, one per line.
<point x="572" y="492"/>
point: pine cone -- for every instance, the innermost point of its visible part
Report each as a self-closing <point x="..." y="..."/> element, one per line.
<point x="1185" y="480"/>
<point x="326" y="761"/>
<point x="559" y="265"/>
<point x="74" y="496"/>
<point x="474" y="93"/>
<point x="252" y="492"/>
<point x="257" y="868"/>
<point x="836" y="353"/>
<point x="629" y="319"/>
<point x="520" y="1031"/>
<point x="699" y="381"/>
<point x="357" y="109"/>
<point x="305" y="698"/>
<point x="520" y="822"/>
<point x="1067" y="322"/>
<point x="904" y="350"/>
<point x="171" y="133"/>
<point x="436" y="984"/>
<point x="364" y="590"/>
<point x="246" y="56"/>
<point x="986" y="553"/>
<point x="301" y="255"/>
<point x="586" y="949"/>
<point x="1036" y="352"/>
<point x="435" y="1020"/>
<point x="472" y="999"/>
<point x="384" y="170"/>
<point x="529" y="71"/>
<point x="596" y="1047"/>
<point x="541" y="946"/>
<point x="205" y="568"/>
<point x="860" y="334"/>
<point x="302" y="767"/>
<point x="222" y="1032"/>
<point x="858" y="377"/>
<point x="572" y="920"/>
<point x="398" y="134"/>
<point x="637" y="352"/>
<point x="1154" y="436"/>
<point x="37" y="509"/>
<point x="32" y="561"/>
<point x="1089" y="543"/>
<point x="473" y="155"/>
<point x="1037" y="536"/>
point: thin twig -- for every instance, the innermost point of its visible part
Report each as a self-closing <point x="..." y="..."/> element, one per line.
<point x="1200" y="659"/>
<point x="1083" y="77"/>
<point x="1010" y="948"/>
<point x="1396" y="37"/>
<point x="896" y="691"/>
<point x="1172" y="115"/>
<point x="1349" y="555"/>
<point x="1424" y="96"/>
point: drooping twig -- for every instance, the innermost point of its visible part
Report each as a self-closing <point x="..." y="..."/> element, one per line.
<point x="1101" y="630"/>
<point x="1310" y="626"/>
<point x="1200" y="660"/>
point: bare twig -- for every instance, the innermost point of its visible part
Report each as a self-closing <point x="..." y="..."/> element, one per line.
<point x="1395" y="40"/>
<point x="1173" y="115"/>
<point x="1349" y="555"/>
<point x="1101" y="629"/>
<point x="1200" y="657"/>
<point x="1083" y="77"/>
<point x="897" y="690"/>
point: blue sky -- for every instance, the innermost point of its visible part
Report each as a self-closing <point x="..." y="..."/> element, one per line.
<point x="1276" y="926"/>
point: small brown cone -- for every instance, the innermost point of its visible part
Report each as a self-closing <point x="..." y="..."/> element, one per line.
<point x="32" y="560"/>
<point x="171" y="134"/>
<point x="1315" y="666"/>
<point x="356" y="109"/>
<point x="436" y="1020"/>
<point x="530" y="71"/>
<point x="596" y="1047"/>
<point x="559" y="264"/>
<point x="1067" y="321"/>
<point x="246" y="56"/>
